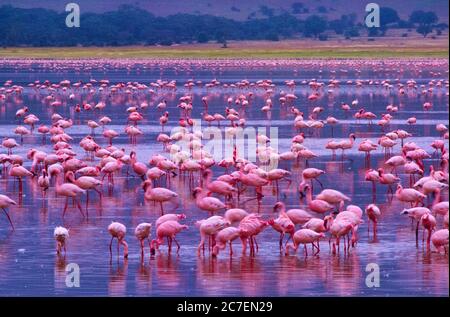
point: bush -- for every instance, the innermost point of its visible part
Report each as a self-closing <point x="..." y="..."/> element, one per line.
<point x="323" y="37"/>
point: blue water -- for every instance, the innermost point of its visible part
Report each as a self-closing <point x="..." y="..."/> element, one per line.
<point x="28" y="261"/>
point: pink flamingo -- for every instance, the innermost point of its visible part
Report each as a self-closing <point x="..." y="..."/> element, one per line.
<point x="333" y="196"/>
<point x="118" y="231"/>
<point x="210" y="227"/>
<point x="142" y="232"/>
<point x="44" y="182"/>
<point x="338" y="229"/>
<point x="19" y="172"/>
<point x="210" y="204"/>
<point x="440" y="240"/>
<point x="251" y="226"/>
<point x="9" y="143"/>
<point x="387" y="179"/>
<point x="297" y="216"/>
<point x="373" y="214"/>
<point x="61" y="236"/>
<point x="158" y="194"/>
<point x="316" y="205"/>
<point x="224" y="236"/>
<point x="87" y="183"/>
<point x="110" y="135"/>
<point x="168" y="229"/>
<point x="312" y="174"/>
<point x="429" y="223"/>
<point x="304" y="236"/>
<point x="347" y="144"/>
<point x="69" y="190"/>
<point x="110" y="168"/>
<point x="253" y="180"/>
<point x="235" y="215"/>
<point x="138" y="167"/>
<point x="283" y="224"/>
<point x="5" y="202"/>
<point x="416" y="215"/>
<point x="409" y="195"/>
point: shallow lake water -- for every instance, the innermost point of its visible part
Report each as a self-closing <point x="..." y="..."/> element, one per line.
<point x="29" y="265"/>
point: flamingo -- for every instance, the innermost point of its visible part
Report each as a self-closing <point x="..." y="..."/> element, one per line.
<point x="5" y="202"/>
<point x="373" y="214"/>
<point x="283" y="224"/>
<point x="416" y="215"/>
<point x="409" y="195"/>
<point x="142" y="232"/>
<point x="167" y="229"/>
<point x="158" y="194"/>
<point x="224" y="236"/>
<point x="117" y="231"/>
<point x="87" y="183"/>
<point x="210" y="227"/>
<point x="61" y="236"/>
<point x="440" y="240"/>
<point x="304" y="236"/>
<point x="69" y="190"/>
<point x="251" y="226"/>
<point x="210" y="204"/>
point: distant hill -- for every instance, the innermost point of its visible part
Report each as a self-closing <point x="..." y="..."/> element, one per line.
<point x="247" y="9"/>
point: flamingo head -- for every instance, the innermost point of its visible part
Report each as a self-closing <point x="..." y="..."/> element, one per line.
<point x="70" y="176"/>
<point x="327" y="221"/>
<point x="277" y="206"/>
<point x="302" y="188"/>
<point x="352" y="136"/>
<point x="405" y="212"/>
<point x="207" y="172"/>
<point x="181" y="216"/>
<point x="380" y="171"/>
<point x="146" y="184"/>
<point x="196" y="191"/>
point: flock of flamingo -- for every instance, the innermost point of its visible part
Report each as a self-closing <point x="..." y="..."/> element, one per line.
<point x="75" y="168"/>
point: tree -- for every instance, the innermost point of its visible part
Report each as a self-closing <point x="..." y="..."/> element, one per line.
<point x="388" y="16"/>
<point x="424" y="20"/>
<point x="315" y="25"/>
<point x="424" y="29"/>
<point x="422" y="17"/>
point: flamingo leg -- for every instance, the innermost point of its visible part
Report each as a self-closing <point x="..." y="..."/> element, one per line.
<point x="110" y="247"/>
<point x="9" y="219"/>
<point x="176" y="242"/>
<point x="79" y="207"/>
<point x="65" y="206"/>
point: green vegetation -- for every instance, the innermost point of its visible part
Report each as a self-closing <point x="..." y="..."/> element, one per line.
<point x="426" y="21"/>
<point x="130" y="25"/>
<point x="144" y="52"/>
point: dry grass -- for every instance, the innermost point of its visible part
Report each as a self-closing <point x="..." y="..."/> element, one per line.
<point x="358" y="48"/>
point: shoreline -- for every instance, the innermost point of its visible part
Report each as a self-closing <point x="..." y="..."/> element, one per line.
<point x="296" y="49"/>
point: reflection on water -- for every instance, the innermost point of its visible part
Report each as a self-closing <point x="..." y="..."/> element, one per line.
<point x="29" y="265"/>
